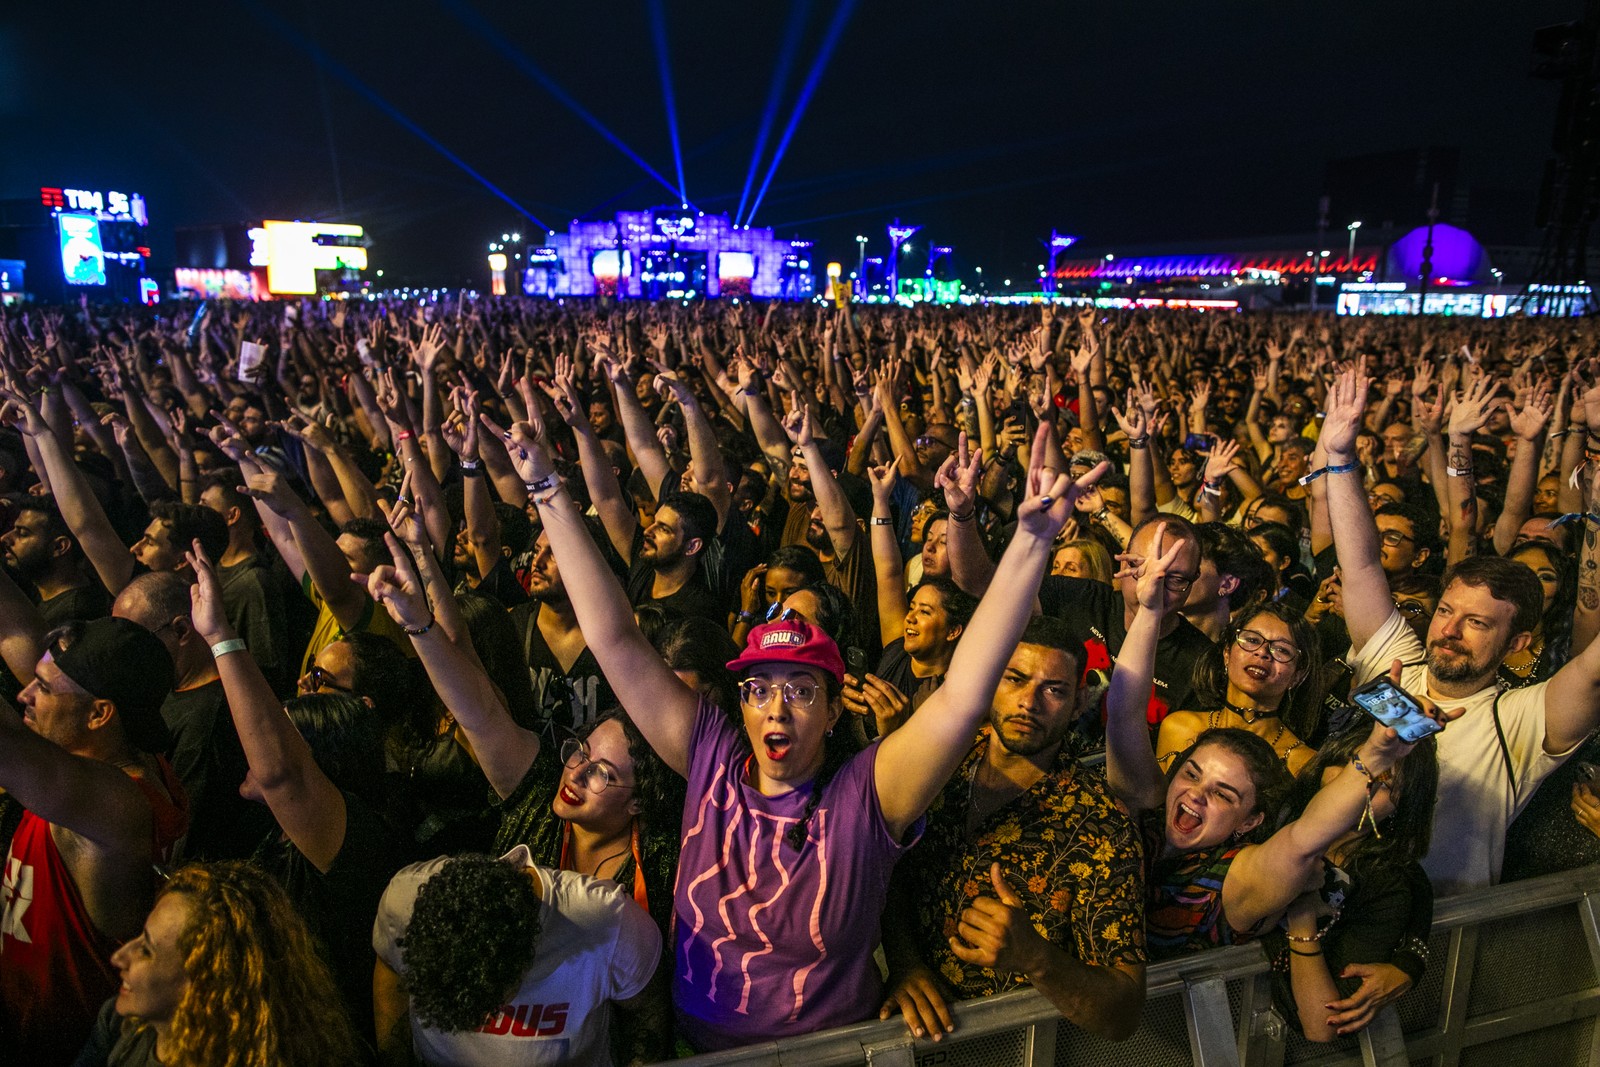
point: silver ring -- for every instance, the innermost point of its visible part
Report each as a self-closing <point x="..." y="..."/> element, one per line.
<point x="506" y="434"/>
<point x="401" y="500"/>
<point x="1046" y="501"/>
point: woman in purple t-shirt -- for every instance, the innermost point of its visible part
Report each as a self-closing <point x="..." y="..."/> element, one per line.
<point x="787" y="851"/>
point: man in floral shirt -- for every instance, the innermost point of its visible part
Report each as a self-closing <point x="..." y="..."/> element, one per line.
<point x="1028" y="872"/>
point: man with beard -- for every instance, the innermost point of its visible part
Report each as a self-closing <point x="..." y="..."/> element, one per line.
<point x="1028" y="871"/>
<point x="667" y="555"/>
<point x="1493" y="758"/>
<point x="40" y="548"/>
<point x="831" y="528"/>
<point x="568" y="685"/>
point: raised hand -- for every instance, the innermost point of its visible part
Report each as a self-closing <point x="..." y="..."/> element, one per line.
<point x="20" y="413"/>
<point x="1157" y="588"/>
<point x="1474" y="406"/>
<point x="398" y="588"/>
<point x="1133" y="421"/>
<point x="1346" y="406"/>
<point x="958" y="476"/>
<point x="1529" y="421"/>
<point x="882" y="478"/>
<point x="525" y="445"/>
<point x="1049" y="497"/>
<point x="206" y="610"/>
<point x="1222" y="460"/>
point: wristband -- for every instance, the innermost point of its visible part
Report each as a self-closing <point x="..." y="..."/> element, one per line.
<point x="549" y="481"/>
<point x="1298" y="952"/>
<point x="965" y="516"/>
<point x="749" y="616"/>
<point x="1332" y="468"/>
<point x="222" y="648"/>
<point x="471" y="464"/>
<point x="419" y="631"/>
<point x="403" y="435"/>
<point x="1458" y="472"/>
<point x="1139" y="442"/>
<point x="876" y="521"/>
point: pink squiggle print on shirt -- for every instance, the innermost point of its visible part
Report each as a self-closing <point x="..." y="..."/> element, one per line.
<point x="755" y="925"/>
<point x="820" y="822"/>
<point x="706" y="804"/>
<point x="749" y="884"/>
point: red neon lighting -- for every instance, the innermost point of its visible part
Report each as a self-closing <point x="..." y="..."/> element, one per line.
<point x="143" y="251"/>
<point x="52" y="197"/>
<point x="1157" y="268"/>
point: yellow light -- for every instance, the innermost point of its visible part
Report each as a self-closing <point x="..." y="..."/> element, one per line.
<point x="834" y="270"/>
<point x="294" y="256"/>
<point x="497" y="261"/>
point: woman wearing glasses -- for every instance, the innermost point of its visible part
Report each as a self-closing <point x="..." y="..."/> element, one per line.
<point x="602" y="805"/>
<point x="1218" y="873"/>
<point x="1262" y="678"/>
<point x="788" y="841"/>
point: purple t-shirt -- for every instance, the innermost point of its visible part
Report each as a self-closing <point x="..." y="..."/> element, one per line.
<point x="771" y="942"/>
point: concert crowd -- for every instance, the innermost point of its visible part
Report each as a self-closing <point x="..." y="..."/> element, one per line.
<point x="495" y="681"/>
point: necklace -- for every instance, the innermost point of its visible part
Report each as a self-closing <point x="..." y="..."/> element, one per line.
<point x="1216" y="721"/>
<point x="1525" y="667"/>
<point x="1250" y="715"/>
<point x="620" y="852"/>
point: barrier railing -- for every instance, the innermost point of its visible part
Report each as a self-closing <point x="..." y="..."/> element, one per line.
<point x="1514" y="979"/>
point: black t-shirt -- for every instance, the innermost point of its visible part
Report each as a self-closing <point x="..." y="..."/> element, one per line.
<point x="1094" y="611"/>
<point x="500" y="583"/>
<point x="894" y="667"/>
<point x="209" y="761"/>
<point x="83" y="602"/>
<point x="692" y="600"/>
<point x="567" y="699"/>
<point x="341" y="904"/>
<point x="253" y="599"/>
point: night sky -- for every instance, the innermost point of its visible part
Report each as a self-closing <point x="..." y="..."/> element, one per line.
<point x="987" y="123"/>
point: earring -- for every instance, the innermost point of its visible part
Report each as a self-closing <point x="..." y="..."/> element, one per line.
<point x="830" y="733"/>
<point x="1237" y="834"/>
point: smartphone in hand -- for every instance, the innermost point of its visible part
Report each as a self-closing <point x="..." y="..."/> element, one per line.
<point x="1395" y="708"/>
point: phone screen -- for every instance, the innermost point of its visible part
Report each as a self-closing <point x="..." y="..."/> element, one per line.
<point x="1395" y="708"/>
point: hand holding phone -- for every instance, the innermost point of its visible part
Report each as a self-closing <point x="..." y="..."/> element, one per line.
<point x="1395" y="708"/>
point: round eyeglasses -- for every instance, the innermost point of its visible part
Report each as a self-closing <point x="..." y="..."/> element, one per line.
<point x="595" y="777"/>
<point x="1280" y="651"/>
<point x="758" y="694"/>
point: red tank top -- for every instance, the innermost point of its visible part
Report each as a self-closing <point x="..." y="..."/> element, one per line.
<point x="55" y="967"/>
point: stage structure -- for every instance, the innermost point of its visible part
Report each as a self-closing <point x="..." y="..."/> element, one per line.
<point x="271" y="259"/>
<point x="669" y="254"/>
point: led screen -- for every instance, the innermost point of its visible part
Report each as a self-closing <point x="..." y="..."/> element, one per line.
<point x="604" y="264"/>
<point x="736" y="265"/>
<point x="83" y="257"/>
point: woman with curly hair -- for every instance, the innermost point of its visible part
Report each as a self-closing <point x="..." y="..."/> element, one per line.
<point x="224" y="974"/>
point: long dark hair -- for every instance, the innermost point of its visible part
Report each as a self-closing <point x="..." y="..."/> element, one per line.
<point x="656" y="787"/>
<point x="1268" y="775"/>
<point x="1301" y="707"/>
<point x="1556" y="623"/>
<point x="1408" y="832"/>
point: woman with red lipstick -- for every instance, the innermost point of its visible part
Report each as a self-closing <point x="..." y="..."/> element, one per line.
<point x="1213" y="880"/>
<point x="788" y="844"/>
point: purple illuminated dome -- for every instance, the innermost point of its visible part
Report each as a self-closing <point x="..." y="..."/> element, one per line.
<point x="1457" y="256"/>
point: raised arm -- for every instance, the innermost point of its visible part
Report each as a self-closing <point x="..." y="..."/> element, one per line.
<point x="970" y="565"/>
<point x="79" y="509"/>
<point x="1132" y="773"/>
<point x="503" y="749"/>
<point x="659" y="703"/>
<point x="616" y="514"/>
<point x="309" y="808"/>
<point x="837" y="515"/>
<point x="888" y="566"/>
<point x="914" y="762"/>
<point x="1528" y="424"/>
<point x="1355" y="536"/>
<point x="21" y="630"/>
<point x="1265" y="879"/>
<point x="319" y="554"/>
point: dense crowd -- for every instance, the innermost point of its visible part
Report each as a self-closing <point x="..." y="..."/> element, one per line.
<point x="503" y="682"/>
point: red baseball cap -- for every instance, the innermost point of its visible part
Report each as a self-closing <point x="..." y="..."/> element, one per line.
<point x="790" y="641"/>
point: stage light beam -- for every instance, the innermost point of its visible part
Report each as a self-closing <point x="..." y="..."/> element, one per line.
<point x="346" y="75"/>
<point x="658" y="34"/>
<point x="792" y="30"/>
<point x="830" y="41"/>
<point x="480" y="25"/>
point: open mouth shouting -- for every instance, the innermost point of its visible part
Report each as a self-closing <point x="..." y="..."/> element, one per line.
<point x="1186" y="820"/>
<point x="777" y="745"/>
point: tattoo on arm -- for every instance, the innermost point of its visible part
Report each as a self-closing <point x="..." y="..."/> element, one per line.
<point x="1589" y="573"/>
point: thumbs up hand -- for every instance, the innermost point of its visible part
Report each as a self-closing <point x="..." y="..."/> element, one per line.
<point x="995" y="932"/>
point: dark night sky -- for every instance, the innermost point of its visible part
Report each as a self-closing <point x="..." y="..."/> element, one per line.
<point x="988" y="123"/>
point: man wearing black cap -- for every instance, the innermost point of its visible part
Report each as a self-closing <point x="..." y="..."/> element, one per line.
<point x="101" y="809"/>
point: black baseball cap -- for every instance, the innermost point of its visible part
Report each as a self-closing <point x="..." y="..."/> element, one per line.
<point x="120" y="661"/>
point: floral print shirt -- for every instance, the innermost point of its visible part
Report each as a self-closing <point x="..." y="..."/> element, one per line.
<point x="1066" y="847"/>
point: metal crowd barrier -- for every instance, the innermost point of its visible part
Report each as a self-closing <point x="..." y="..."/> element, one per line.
<point x="1513" y="978"/>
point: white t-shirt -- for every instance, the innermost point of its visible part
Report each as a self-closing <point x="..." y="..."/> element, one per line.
<point x="1476" y="801"/>
<point x="595" y="946"/>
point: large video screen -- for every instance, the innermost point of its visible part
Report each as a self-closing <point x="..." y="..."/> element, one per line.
<point x="736" y="265"/>
<point x="83" y="256"/>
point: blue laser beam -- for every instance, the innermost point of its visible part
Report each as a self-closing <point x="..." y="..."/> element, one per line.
<point x="658" y="34"/>
<point x="841" y="16"/>
<point x="476" y="22"/>
<point x="371" y="95"/>
<point x="798" y="14"/>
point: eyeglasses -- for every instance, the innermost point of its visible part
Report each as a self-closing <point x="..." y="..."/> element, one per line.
<point x="1280" y="651"/>
<point x="595" y="777"/>
<point x="1411" y="608"/>
<point x="758" y="694"/>
<point x="1394" y="538"/>
<point x="320" y="679"/>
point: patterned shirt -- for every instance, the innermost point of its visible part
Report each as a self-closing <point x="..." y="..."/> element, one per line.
<point x="1068" y="850"/>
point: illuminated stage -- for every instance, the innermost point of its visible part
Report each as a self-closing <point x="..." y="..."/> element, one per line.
<point x="669" y="254"/>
